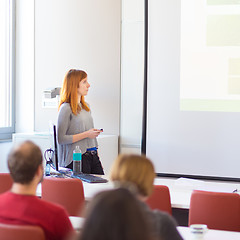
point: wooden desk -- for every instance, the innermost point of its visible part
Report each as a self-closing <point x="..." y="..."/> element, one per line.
<point x="90" y="189"/>
<point x="180" y="197"/>
<point x="180" y="192"/>
<point x="77" y="223"/>
<point x="180" y="189"/>
<point x="107" y="145"/>
<point x="210" y="235"/>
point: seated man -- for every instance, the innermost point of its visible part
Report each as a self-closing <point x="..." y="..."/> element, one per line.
<point x="21" y="205"/>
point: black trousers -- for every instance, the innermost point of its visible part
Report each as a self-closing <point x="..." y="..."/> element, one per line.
<point x="90" y="163"/>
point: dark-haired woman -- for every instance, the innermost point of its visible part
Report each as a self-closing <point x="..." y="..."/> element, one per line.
<point x="115" y="215"/>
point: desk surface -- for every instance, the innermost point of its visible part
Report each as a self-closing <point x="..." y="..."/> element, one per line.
<point x="77" y="223"/>
<point x="180" y="189"/>
<point x="210" y="234"/>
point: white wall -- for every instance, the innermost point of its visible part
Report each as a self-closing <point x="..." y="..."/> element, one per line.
<point x="49" y="41"/>
<point x="84" y="35"/>
<point x="132" y="75"/>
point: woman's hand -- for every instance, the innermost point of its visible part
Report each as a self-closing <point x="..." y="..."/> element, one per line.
<point x="93" y="133"/>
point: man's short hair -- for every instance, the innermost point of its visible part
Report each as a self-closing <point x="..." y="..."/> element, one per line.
<point x="23" y="162"/>
<point x="136" y="169"/>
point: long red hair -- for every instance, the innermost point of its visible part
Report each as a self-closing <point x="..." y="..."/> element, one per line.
<point x="69" y="90"/>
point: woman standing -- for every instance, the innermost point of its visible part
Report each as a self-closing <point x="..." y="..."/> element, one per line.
<point x="75" y="124"/>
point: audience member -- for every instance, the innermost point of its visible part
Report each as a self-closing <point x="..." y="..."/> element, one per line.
<point x="139" y="170"/>
<point x="115" y="215"/>
<point x="21" y="206"/>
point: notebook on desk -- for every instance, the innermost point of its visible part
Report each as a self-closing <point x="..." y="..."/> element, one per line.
<point x="89" y="178"/>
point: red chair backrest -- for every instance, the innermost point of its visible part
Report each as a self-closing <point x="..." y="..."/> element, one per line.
<point x="5" y="182"/>
<point x="67" y="192"/>
<point x="160" y="199"/>
<point x="21" y="232"/>
<point x="215" y="209"/>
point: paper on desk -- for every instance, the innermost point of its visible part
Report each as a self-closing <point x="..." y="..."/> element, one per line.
<point x="188" y="182"/>
<point x="205" y="186"/>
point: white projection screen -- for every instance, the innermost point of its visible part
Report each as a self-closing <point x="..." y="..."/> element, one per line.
<point x="193" y="87"/>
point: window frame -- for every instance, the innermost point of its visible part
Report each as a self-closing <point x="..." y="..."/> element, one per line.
<point x="6" y="132"/>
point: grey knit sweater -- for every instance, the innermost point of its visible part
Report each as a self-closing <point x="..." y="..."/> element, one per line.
<point x="162" y="225"/>
<point x="68" y="125"/>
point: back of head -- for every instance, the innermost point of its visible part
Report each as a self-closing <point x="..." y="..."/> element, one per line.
<point x="136" y="169"/>
<point x="115" y="215"/>
<point x="23" y="162"/>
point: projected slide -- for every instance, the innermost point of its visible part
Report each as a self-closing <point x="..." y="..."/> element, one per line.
<point x="210" y="55"/>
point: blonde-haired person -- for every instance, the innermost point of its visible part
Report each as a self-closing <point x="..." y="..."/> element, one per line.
<point x="138" y="170"/>
<point x="75" y="124"/>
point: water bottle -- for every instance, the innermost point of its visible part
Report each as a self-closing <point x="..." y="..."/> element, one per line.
<point x="47" y="169"/>
<point x="77" y="161"/>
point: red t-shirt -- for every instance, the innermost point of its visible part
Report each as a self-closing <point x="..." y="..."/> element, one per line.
<point x="30" y="210"/>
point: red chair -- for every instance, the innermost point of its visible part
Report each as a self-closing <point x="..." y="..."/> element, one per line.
<point x="215" y="209"/>
<point x="160" y="199"/>
<point x="67" y="192"/>
<point x="5" y="182"/>
<point x="21" y="232"/>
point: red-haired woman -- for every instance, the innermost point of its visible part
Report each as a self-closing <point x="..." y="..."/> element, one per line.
<point x="75" y="124"/>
